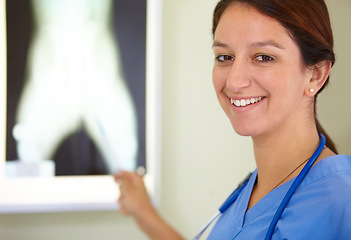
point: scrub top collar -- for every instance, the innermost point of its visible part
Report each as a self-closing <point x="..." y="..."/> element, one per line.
<point x="271" y="200"/>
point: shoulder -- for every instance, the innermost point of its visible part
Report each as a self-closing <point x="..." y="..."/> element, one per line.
<point x="327" y="181"/>
<point x="321" y="206"/>
<point x="329" y="171"/>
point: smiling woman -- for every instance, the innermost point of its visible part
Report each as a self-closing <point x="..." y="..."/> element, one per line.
<point x="307" y="24"/>
<point x="250" y="72"/>
<point x="272" y="58"/>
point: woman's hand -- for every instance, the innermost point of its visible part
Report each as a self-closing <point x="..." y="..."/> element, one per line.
<point x="134" y="201"/>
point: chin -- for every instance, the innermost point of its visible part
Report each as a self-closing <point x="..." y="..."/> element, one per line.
<point x="246" y="130"/>
<point x="243" y="131"/>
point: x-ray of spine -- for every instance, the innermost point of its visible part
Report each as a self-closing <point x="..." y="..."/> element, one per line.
<point x="74" y="81"/>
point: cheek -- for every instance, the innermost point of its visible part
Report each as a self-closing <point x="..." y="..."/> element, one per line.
<point x="219" y="79"/>
<point x="281" y="81"/>
<point x="286" y="88"/>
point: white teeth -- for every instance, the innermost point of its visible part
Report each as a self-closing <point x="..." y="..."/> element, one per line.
<point x="245" y="102"/>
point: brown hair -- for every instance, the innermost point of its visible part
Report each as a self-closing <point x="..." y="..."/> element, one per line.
<point x="308" y="23"/>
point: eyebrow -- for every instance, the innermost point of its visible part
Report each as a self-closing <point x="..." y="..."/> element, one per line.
<point x="219" y="44"/>
<point x="271" y="43"/>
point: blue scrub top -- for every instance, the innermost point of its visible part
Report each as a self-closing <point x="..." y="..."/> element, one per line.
<point x="319" y="209"/>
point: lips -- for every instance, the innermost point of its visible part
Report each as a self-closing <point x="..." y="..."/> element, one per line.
<point x="245" y="102"/>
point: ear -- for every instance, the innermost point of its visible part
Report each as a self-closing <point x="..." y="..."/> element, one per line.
<point x="320" y="74"/>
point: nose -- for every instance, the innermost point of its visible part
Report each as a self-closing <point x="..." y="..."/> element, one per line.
<point x="238" y="77"/>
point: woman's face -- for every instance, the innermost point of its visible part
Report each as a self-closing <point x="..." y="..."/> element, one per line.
<point x="258" y="73"/>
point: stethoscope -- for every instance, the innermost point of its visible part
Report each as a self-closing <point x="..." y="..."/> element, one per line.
<point x="232" y="197"/>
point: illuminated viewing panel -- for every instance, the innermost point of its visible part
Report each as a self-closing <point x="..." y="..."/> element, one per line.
<point x="74" y="112"/>
<point x="80" y="99"/>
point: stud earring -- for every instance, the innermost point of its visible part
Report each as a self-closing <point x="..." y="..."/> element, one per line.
<point x="311" y="90"/>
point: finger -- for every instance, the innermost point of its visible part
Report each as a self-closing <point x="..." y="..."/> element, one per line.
<point x="134" y="178"/>
<point x="124" y="212"/>
<point x="118" y="177"/>
<point x="129" y="178"/>
<point x="124" y="178"/>
<point x="122" y="206"/>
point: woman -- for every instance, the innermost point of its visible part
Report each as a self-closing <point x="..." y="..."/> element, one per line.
<point x="272" y="58"/>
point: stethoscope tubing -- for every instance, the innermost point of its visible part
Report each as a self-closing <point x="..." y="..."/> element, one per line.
<point x="228" y="202"/>
<point x="232" y="198"/>
<point x="294" y="186"/>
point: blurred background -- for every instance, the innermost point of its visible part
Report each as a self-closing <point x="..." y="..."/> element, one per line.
<point x="202" y="158"/>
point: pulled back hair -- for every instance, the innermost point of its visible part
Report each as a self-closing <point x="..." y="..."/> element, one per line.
<point x="308" y="23"/>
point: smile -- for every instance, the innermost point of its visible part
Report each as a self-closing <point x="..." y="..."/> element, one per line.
<point x="245" y="102"/>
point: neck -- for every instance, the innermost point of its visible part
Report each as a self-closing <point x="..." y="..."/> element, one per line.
<point x="279" y="153"/>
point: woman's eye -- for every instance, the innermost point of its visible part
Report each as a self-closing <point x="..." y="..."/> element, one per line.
<point x="264" y="58"/>
<point x="224" y="58"/>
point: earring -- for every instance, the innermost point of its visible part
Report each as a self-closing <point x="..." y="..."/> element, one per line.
<point x="311" y="90"/>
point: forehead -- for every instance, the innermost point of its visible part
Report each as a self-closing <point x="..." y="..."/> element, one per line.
<point x="243" y="21"/>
